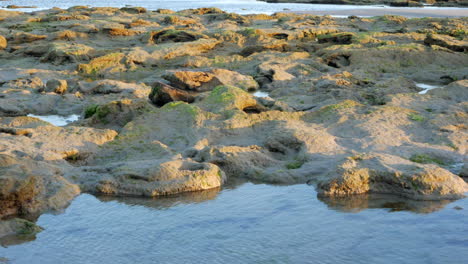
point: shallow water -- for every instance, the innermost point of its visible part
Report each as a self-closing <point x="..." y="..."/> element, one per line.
<point x="261" y="94"/>
<point x="249" y="223"/>
<point x="57" y="120"/>
<point x="426" y="87"/>
<point x="237" y="6"/>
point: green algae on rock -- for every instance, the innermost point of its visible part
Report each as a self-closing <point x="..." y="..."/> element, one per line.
<point x="166" y="103"/>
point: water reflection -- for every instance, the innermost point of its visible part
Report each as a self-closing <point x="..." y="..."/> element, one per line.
<point x="394" y="203"/>
<point x="12" y="240"/>
<point x="165" y="202"/>
<point x="238" y="204"/>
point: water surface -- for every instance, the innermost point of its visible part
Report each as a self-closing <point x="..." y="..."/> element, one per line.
<point x="57" y="120"/>
<point x="237" y="6"/>
<point x="249" y="223"/>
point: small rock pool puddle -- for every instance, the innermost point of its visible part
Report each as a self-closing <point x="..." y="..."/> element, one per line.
<point x="261" y="94"/>
<point x="57" y="120"/>
<point x="426" y="87"/>
<point x="249" y="223"/>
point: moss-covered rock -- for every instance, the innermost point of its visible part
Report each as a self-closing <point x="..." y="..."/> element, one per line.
<point x="110" y="63"/>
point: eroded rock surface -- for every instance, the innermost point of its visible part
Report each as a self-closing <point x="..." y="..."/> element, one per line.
<point x="166" y="104"/>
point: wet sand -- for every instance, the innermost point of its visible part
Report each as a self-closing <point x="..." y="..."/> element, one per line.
<point x="407" y="12"/>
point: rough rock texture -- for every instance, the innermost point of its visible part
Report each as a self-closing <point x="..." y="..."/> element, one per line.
<point x="388" y="174"/>
<point x="29" y="187"/>
<point x="165" y="104"/>
<point x="57" y="86"/>
<point x="3" y="42"/>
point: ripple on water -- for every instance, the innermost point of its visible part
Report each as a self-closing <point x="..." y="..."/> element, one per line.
<point x="250" y="223"/>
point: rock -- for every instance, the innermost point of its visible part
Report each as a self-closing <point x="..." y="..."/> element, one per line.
<point x="114" y="87"/>
<point x="116" y="32"/>
<point x="23" y="37"/>
<point x="192" y="80"/>
<point x="393" y="175"/>
<point x="30" y="187"/>
<point x="207" y="80"/>
<point x="233" y="78"/>
<point x="3" y="42"/>
<point x="107" y="64"/>
<point x="224" y="98"/>
<point x="336" y="38"/>
<point x="69" y="35"/>
<point x="17" y="226"/>
<point x="171" y="35"/>
<point x="162" y="94"/>
<point x="57" y="86"/>
<point x="60" y="53"/>
<point x="457" y="91"/>
<point x="447" y="42"/>
<point x="164" y="179"/>
<point x="206" y="126"/>
<point x="273" y="72"/>
<point x="464" y="171"/>
<point x="134" y="10"/>
<point x="114" y="115"/>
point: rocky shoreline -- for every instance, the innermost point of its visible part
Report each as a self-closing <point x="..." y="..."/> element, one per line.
<point x="167" y="104"/>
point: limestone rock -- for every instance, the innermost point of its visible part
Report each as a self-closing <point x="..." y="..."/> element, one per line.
<point x="57" y="86"/>
<point x="393" y="175"/>
<point x="17" y="226"/>
<point x="162" y="93"/>
<point x="207" y="80"/>
<point x="30" y="187"/>
<point x="3" y="42"/>
<point x="447" y="42"/>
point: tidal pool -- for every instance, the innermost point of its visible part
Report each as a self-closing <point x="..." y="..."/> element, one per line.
<point x="249" y="223"/>
<point x="261" y="94"/>
<point x="57" y="120"/>
<point x="426" y="87"/>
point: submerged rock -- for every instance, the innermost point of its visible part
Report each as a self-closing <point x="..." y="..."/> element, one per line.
<point x="19" y="227"/>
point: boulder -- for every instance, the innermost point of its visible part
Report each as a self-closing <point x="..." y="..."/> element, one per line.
<point x="57" y="86"/>
<point x="197" y="81"/>
<point x="162" y="94"/>
<point x="151" y="179"/>
<point x="31" y="187"/>
<point x="392" y="175"/>
<point x="3" y="42"/>
<point x="207" y="80"/>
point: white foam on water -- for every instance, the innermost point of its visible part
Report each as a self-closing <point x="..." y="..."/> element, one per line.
<point x="57" y="120"/>
<point x="426" y="87"/>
